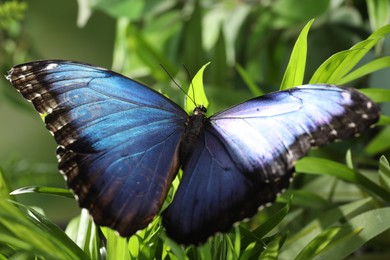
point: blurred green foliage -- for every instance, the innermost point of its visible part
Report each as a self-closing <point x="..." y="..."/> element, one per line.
<point x="337" y="209"/>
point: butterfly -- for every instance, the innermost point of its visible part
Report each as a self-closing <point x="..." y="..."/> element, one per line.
<point x="121" y="144"/>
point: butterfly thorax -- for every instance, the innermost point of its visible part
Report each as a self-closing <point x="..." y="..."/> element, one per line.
<point x="194" y="127"/>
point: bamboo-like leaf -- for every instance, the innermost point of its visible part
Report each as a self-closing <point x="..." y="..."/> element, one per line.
<point x="255" y="90"/>
<point x="318" y="243"/>
<point x="378" y="12"/>
<point x="337" y="66"/>
<point x="27" y="231"/>
<point x="366" y="69"/>
<point x="272" y="249"/>
<point x="365" y="226"/>
<point x="265" y="227"/>
<point x="297" y="242"/>
<point x="384" y="120"/>
<point x="380" y="143"/>
<point x="293" y="76"/>
<point x="4" y="187"/>
<point x="323" y="166"/>
<point x="376" y="94"/>
<point x="117" y="247"/>
<point x="384" y="173"/>
<point x="196" y="95"/>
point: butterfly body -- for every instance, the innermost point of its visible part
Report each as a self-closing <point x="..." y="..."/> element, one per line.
<point x="122" y="143"/>
<point x="194" y="127"/>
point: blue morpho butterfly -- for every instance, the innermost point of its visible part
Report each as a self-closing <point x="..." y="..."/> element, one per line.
<point x="122" y="143"/>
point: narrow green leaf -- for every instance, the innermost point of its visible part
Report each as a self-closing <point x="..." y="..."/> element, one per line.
<point x="295" y="70"/>
<point x="380" y="142"/>
<point x="46" y="190"/>
<point x="366" y="226"/>
<point x="196" y="92"/>
<point x="26" y="230"/>
<point x="272" y="249"/>
<point x="295" y="243"/>
<point x="250" y="83"/>
<point x="205" y="251"/>
<point x="147" y="52"/>
<point x="377" y="94"/>
<point x="237" y="240"/>
<point x="378" y="12"/>
<point x="177" y="250"/>
<point x="384" y="173"/>
<point x="323" y="166"/>
<point x="384" y="120"/>
<point x="338" y="65"/>
<point x="134" y="246"/>
<point x="305" y="199"/>
<point x="116" y="246"/>
<point x="348" y="159"/>
<point x="366" y="69"/>
<point x="264" y="228"/>
<point x="220" y="71"/>
<point x="86" y="236"/>
<point x="318" y="243"/>
<point x="4" y="187"/>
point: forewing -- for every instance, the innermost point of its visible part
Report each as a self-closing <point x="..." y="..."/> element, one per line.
<point x="246" y="155"/>
<point x="286" y="124"/>
<point x="118" y="140"/>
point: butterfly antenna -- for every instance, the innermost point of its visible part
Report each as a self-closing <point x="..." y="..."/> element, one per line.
<point x="177" y="84"/>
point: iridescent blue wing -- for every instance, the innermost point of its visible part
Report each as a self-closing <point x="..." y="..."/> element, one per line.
<point x="245" y="156"/>
<point x="118" y="140"/>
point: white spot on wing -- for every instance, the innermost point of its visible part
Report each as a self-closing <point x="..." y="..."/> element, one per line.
<point x="346" y="96"/>
<point x="35" y="95"/>
<point x="369" y="105"/>
<point x="51" y="66"/>
<point x="49" y="110"/>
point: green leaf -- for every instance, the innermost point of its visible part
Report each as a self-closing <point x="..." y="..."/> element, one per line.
<point x="338" y="65"/>
<point x="365" y="226"/>
<point x="272" y="249"/>
<point x="83" y="231"/>
<point x="45" y="190"/>
<point x="377" y="94"/>
<point x="375" y="65"/>
<point x="378" y="12"/>
<point x="380" y="142"/>
<point x="323" y="166"/>
<point x="295" y="71"/>
<point x="27" y="231"/>
<point x="196" y="95"/>
<point x="384" y="173"/>
<point x="117" y="247"/>
<point x="384" y="120"/>
<point x="148" y="54"/>
<point x="297" y="242"/>
<point x="305" y="199"/>
<point x="265" y="227"/>
<point x="318" y="243"/>
<point x="250" y="83"/>
<point x="4" y="187"/>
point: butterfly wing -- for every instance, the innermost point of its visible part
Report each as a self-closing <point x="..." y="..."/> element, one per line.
<point x="118" y="140"/>
<point x="246" y="155"/>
